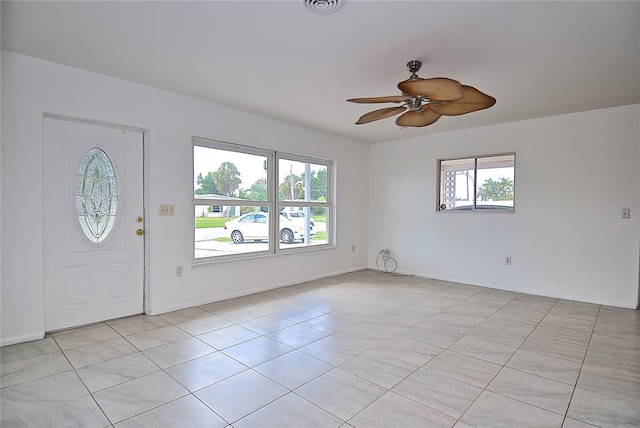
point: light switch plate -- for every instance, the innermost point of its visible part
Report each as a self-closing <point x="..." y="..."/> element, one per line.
<point x="167" y="209"/>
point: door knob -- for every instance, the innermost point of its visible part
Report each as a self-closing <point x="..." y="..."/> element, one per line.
<point x="139" y="232"/>
<point x="139" y="219"/>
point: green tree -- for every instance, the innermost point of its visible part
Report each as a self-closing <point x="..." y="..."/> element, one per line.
<point x="258" y="190"/>
<point x="295" y="183"/>
<point x="292" y="188"/>
<point x="319" y="185"/>
<point x="227" y="178"/>
<point x="207" y="184"/>
<point x="500" y="190"/>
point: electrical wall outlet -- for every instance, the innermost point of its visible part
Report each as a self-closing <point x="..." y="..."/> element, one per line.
<point x="626" y="213"/>
<point x="166" y="209"/>
<point x="507" y="260"/>
<point x="353" y="248"/>
<point x="179" y="270"/>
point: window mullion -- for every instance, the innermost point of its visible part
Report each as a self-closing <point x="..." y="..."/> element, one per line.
<point x="272" y="186"/>
<point x="475" y="183"/>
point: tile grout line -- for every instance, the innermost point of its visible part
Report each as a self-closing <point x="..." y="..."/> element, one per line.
<point x="382" y="291"/>
<point x="75" y="370"/>
<point x="503" y="366"/>
<point x="566" y="413"/>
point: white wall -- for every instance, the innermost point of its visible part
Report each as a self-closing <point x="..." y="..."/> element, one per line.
<point x="574" y="174"/>
<point x="32" y="86"/>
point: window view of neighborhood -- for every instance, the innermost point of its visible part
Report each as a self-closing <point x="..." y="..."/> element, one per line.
<point x="235" y="194"/>
<point x="479" y="183"/>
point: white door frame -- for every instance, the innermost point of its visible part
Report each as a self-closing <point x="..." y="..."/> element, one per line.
<point x="146" y="292"/>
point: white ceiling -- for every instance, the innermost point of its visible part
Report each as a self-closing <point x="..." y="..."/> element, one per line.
<point x="274" y="59"/>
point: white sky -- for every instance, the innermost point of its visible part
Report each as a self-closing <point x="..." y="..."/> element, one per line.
<point x="251" y="167"/>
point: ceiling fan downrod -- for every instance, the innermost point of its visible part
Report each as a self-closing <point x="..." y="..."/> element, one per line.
<point x="414" y="103"/>
<point x="413" y="67"/>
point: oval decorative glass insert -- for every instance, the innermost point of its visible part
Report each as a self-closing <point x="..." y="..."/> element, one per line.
<point x="96" y="195"/>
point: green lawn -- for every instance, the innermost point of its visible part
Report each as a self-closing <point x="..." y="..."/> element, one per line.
<point x="319" y="236"/>
<point x="204" y="222"/>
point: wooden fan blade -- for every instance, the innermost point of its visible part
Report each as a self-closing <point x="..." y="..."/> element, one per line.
<point x="473" y="100"/>
<point x="417" y="118"/>
<point x="389" y="99"/>
<point x="379" y="114"/>
<point x="438" y="88"/>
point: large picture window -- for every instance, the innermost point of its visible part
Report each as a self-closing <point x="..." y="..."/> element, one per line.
<point x="484" y="183"/>
<point x="250" y="201"/>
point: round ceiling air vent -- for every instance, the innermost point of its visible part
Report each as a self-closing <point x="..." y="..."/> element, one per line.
<point x="321" y="7"/>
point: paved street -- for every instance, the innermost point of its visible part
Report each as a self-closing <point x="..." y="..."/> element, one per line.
<point x="207" y="246"/>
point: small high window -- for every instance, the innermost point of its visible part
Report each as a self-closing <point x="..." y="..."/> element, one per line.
<point x="484" y="183"/>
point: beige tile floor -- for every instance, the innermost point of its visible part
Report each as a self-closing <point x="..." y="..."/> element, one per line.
<point x="364" y="349"/>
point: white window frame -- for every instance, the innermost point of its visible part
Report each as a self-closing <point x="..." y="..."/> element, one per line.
<point x="440" y="205"/>
<point x="308" y="205"/>
<point x="272" y="203"/>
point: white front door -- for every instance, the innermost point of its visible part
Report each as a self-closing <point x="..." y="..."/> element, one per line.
<point x="93" y="222"/>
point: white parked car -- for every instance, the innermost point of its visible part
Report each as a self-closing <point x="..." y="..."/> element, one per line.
<point x="299" y="217"/>
<point x="255" y="227"/>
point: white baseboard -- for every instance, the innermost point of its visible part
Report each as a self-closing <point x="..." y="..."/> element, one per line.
<point x="19" y="339"/>
<point x="191" y="304"/>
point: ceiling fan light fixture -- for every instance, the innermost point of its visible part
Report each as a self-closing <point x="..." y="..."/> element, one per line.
<point x="415" y="103"/>
<point x="321" y="7"/>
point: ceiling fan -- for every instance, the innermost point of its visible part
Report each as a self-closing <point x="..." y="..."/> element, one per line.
<point x="424" y="101"/>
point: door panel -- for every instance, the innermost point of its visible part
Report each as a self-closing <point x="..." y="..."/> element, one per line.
<point x="85" y="280"/>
